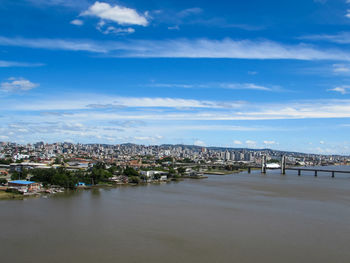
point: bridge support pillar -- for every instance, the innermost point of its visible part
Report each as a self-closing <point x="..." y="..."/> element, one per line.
<point x="263" y="164"/>
<point x="333" y="174"/>
<point x="283" y="165"/>
<point x="249" y="170"/>
<point x="299" y="172"/>
<point x="315" y="173"/>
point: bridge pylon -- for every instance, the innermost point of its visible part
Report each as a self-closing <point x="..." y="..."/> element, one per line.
<point x="263" y="164"/>
<point x="283" y="164"/>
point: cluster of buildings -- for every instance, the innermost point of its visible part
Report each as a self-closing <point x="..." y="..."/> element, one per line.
<point x="137" y="155"/>
<point x="154" y="163"/>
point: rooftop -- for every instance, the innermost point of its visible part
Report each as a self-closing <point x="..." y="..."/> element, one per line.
<point x="22" y="182"/>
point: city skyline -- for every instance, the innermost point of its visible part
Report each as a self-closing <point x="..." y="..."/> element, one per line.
<point x="46" y="152"/>
<point x="239" y="75"/>
<point x="18" y="147"/>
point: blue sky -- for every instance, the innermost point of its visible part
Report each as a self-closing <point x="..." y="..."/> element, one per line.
<point x="249" y="73"/>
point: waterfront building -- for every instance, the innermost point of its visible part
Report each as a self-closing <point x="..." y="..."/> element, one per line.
<point x="24" y="186"/>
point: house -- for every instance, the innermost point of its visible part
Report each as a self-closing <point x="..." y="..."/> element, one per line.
<point x="119" y="179"/>
<point x="3" y="173"/>
<point x="135" y="163"/>
<point x="24" y="186"/>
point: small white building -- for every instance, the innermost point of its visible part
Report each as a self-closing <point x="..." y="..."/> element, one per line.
<point x="164" y="178"/>
<point x="273" y="166"/>
<point x="151" y="174"/>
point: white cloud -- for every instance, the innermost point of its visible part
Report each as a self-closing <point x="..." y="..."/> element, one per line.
<point x="148" y="138"/>
<point x="218" y="128"/>
<point x="54" y="44"/>
<point x="237" y="142"/>
<point x="245" y="86"/>
<point x="228" y="48"/>
<point x="341" y="89"/>
<point x="119" y="14"/>
<point x="165" y="102"/>
<point x="341" y="68"/>
<point x="190" y="12"/>
<point x="175" y="85"/>
<point x="17" y="84"/>
<point x="340" y="38"/>
<point x="143" y="108"/>
<point x="234" y="86"/>
<point x="174" y="27"/>
<point x="77" y="22"/>
<point x="348" y="13"/>
<point x="8" y="64"/>
<point x="199" y="143"/>
<point x="250" y="143"/>
<point x="116" y="31"/>
<point x="108" y="102"/>
<point x="269" y="142"/>
<point x="184" y="48"/>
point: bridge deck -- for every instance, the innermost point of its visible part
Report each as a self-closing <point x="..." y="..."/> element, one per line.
<point x="318" y="170"/>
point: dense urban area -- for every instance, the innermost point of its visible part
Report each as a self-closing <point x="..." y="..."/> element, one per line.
<point x="38" y="168"/>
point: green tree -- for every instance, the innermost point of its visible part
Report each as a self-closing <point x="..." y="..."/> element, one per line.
<point x="100" y="165"/>
<point x="134" y="180"/>
<point x="5" y="161"/>
<point x="15" y="175"/>
<point x="172" y="172"/>
<point x="52" y="176"/>
<point x="24" y="174"/>
<point x="157" y="176"/>
<point x="58" y="160"/>
<point x="113" y="169"/>
<point x="3" y="181"/>
<point x="100" y="175"/>
<point x="129" y="172"/>
<point x="181" y="170"/>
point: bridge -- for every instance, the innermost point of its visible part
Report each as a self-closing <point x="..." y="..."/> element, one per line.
<point x="315" y="171"/>
<point x="284" y="168"/>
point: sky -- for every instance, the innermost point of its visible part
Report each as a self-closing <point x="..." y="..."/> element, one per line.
<point x="230" y="73"/>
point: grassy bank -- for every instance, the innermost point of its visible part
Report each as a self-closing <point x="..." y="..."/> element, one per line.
<point x="8" y="196"/>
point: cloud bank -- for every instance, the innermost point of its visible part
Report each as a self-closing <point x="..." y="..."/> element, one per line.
<point x="185" y="48"/>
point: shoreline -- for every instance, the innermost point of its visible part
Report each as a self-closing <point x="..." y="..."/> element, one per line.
<point x="11" y="196"/>
<point x="5" y="195"/>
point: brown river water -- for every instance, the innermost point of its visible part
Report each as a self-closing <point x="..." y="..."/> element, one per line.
<point x="233" y="218"/>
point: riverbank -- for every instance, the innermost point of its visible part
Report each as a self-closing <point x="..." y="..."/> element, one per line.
<point x="9" y="196"/>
